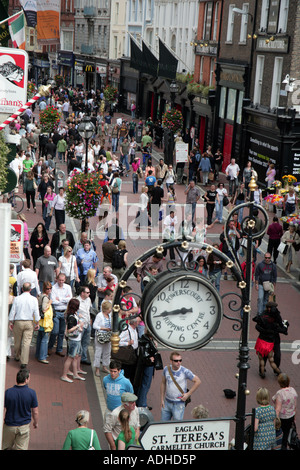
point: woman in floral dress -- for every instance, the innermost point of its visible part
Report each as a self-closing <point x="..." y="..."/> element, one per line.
<point x="264" y="425"/>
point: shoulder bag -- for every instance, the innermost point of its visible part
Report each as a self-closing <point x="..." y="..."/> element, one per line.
<point x="179" y="388"/>
<point x="91" y="447"/>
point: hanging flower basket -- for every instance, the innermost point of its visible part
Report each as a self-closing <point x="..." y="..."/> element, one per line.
<point x="110" y="93"/>
<point x="49" y="119"/>
<point x="31" y="90"/>
<point x="83" y="195"/>
<point x="173" y="120"/>
<point x="59" y="79"/>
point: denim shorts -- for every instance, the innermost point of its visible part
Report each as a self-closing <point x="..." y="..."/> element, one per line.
<point x="74" y="348"/>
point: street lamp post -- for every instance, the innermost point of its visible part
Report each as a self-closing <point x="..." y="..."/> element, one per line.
<point x="174" y="89"/>
<point x="86" y="129"/>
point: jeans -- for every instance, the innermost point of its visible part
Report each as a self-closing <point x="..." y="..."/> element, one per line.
<point x="115" y="201"/>
<point x="85" y="341"/>
<point x="173" y="410"/>
<point x="61" y="155"/>
<point x="135" y="183"/>
<point x="219" y="210"/>
<point x="124" y="158"/>
<point x="145" y="386"/>
<point x="59" y="326"/>
<point x="263" y="297"/>
<point x="42" y="345"/>
<point x="232" y="186"/>
<point x="114" y="144"/>
<point x="215" y="278"/>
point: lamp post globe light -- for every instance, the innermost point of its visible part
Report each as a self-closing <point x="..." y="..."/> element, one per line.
<point x="86" y="129"/>
<point x="174" y="90"/>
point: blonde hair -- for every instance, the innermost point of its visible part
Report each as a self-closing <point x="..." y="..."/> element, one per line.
<point x="122" y="245"/>
<point x="106" y="306"/>
<point x="124" y="420"/>
<point x="90" y="276"/>
<point x="263" y="396"/>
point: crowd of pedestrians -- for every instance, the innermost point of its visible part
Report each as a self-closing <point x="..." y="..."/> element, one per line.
<point x="68" y="293"/>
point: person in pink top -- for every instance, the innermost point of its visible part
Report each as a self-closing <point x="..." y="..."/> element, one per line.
<point x="285" y="402"/>
<point x="135" y="174"/>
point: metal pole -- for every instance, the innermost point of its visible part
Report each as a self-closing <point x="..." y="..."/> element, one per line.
<point x="243" y="364"/>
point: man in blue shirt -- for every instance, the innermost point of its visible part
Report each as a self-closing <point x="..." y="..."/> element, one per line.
<point x="21" y="406"/>
<point x="115" y="385"/>
<point x="86" y="259"/>
<point x="150" y="182"/>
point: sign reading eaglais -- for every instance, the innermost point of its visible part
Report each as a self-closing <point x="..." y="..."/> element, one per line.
<point x="187" y="435"/>
<point x="13" y="79"/>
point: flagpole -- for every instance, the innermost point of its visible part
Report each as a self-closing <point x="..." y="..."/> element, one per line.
<point x="12" y="16"/>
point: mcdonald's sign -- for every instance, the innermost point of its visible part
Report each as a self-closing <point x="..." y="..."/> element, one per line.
<point x="89" y="68"/>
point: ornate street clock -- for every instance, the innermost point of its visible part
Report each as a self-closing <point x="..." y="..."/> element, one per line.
<point x="182" y="309"/>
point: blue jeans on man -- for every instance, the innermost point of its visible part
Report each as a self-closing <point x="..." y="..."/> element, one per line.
<point x="172" y="409"/>
<point x="262" y="299"/>
<point x="59" y="326"/>
<point x="85" y="341"/>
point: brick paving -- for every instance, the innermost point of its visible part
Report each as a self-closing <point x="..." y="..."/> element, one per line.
<point x="216" y="364"/>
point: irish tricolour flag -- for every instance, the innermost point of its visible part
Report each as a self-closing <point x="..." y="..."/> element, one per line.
<point x="17" y="30"/>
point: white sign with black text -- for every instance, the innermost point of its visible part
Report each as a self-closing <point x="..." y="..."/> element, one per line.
<point x="187" y="435"/>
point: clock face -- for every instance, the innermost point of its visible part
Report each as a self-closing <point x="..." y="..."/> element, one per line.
<point x="182" y="310"/>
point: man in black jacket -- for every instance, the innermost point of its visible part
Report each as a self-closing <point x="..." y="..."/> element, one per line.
<point x="58" y="237"/>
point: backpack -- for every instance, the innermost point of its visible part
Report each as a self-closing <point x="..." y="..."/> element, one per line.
<point x="118" y="259"/>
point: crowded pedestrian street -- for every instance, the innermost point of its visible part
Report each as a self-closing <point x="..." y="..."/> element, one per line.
<point x="216" y="364"/>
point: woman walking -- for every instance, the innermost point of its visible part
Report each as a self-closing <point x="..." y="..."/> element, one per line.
<point x="58" y="206"/>
<point x="211" y="197"/>
<point x="48" y="200"/>
<point x="239" y="198"/>
<point x="30" y="187"/>
<point x="67" y="265"/>
<point x="285" y="402"/>
<point x="102" y="325"/>
<point x="45" y="324"/>
<point x="116" y="185"/>
<point x="38" y="240"/>
<point x="73" y="333"/>
<point x="222" y="192"/>
<point x="292" y="240"/>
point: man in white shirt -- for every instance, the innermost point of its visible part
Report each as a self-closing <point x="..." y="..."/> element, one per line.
<point x="169" y="233"/>
<point x="60" y="295"/>
<point x="232" y="173"/>
<point x="84" y="315"/>
<point x="129" y="337"/>
<point x="102" y="283"/>
<point x="23" y="319"/>
<point x="28" y="275"/>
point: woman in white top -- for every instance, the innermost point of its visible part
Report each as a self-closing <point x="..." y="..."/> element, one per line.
<point x="103" y="322"/>
<point x="170" y="177"/>
<point x="221" y="190"/>
<point x="289" y="202"/>
<point x="114" y="163"/>
<point x="59" y="205"/>
<point x="67" y="265"/>
<point x="142" y="219"/>
<point x="258" y="196"/>
<point x="132" y="149"/>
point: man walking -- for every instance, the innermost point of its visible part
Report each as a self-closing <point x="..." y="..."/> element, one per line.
<point x="173" y="389"/>
<point x="85" y="317"/>
<point x="60" y="296"/>
<point x="23" y="319"/>
<point x="21" y="406"/>
<point x="193" y="194"/>
<point x="46" y="267"/>
<point x="265" y="279"/>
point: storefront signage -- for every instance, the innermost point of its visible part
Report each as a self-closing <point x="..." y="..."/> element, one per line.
<point x="13" y="79"/>
<point x="187" y="435"/>
<point x="280" y="44"/>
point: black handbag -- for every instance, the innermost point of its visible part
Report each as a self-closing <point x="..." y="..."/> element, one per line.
<point x="225" y="201"/>
<point x="158" y="363"/>
<point x="293" y="439"/>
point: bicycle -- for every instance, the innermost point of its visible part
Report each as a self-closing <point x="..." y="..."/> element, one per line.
<point x="17" y="203"/>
